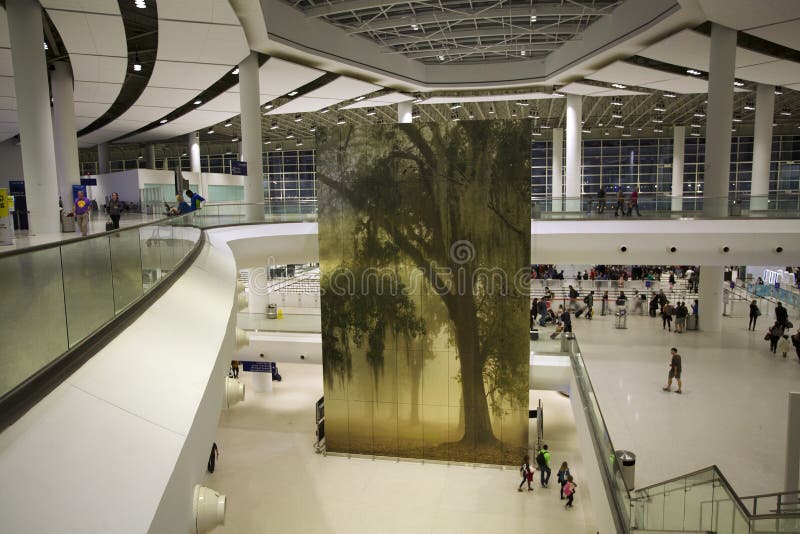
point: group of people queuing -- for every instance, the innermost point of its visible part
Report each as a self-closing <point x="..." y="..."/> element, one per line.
<point x="625" y="203"/>
<point x="565" y="480"/>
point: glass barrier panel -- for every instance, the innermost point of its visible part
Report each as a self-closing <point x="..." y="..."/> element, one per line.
<point x="674" y="505"/>
<point x="126" y="268"/>
<point x="34" y="325"/>
<point x="777" y="525"/>
<point x="151" y="248"/>
<point x="699" y="496"/>
<point x="655" y="509"/>
<point x="88" y="288"/>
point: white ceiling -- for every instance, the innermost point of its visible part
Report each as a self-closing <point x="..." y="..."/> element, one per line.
<point x="785" y="33"/>
<point x="277" y="77"/>
<point x="201" y="42"/>
<point x="489" y="98"/>
<point x="341" y="89"/>
<point x="780" y="72"/>
<point x="88" y="6"/>
<point x="383" y="100"/>
<point x="215" y="11"/>
<point x="578" y="88"/>
<point x="629" y="74"/>
<point x="689" y="48"/>
<point x="744" y="14"/>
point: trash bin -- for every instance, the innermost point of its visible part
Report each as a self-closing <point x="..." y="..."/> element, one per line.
<point x="627" y="465"/>
<point x="67" y="223"/>
<point x="691" y="322"/>
<point x="272" y="311"/>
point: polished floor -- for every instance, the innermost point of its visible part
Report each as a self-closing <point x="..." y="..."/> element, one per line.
<point x="97" y="225"/>
<point x="732" y="412"/>
<point x="275" y="482"/>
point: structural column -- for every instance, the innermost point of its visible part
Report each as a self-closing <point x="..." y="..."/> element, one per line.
<point x="762" y="146"/>
<point x="102" y="158"/>
<point x="710" y="311"/>
<point x="33" y="110"/>
<point x="718" y="123"/>
<point x="573" y="176"/>
<point x="404" y="111"/>
<point x="792" y="482"/>
<point x="64" y="132"/>
<point x="678" y="151"/>
<point x="194" y="151"/>
<point x="150" y="156"/>
<point x="558" y="157"/>
<point x="251" y="136"/>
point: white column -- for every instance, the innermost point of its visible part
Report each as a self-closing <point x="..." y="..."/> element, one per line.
<point x="573" y="176"/>
<point x="64" y="132"/>
<point x="557" y="178"/>
<point x="678" y="151"/>
<point x="404" y="111"/>
<point x="792" y="482"/>
<point x="194" y="151"/>
<point x="762" y="146"/>
<point x="33" y="110"/>
<point x="718" y="123"/>
<point x="710" y="311"/>
<point x="251" y="136"/>
<point x="150" y="156"/>
<point x="102" y="158"/>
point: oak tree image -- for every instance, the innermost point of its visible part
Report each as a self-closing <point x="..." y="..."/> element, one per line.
<point x="450" y="202"/>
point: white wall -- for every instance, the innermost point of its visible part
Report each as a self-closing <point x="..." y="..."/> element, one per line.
<point x="10" y="162"/>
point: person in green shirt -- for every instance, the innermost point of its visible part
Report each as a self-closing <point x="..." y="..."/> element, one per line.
<point x="543" y="461"/>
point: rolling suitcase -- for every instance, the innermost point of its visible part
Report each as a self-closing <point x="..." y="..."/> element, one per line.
<point x="109" y="226"/>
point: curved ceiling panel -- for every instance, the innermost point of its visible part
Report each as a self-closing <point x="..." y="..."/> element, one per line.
<point x="94" y="36"/>
<point x="339" y="90"/>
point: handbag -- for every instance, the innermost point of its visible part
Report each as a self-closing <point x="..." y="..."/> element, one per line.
<point x="767" y="336"/>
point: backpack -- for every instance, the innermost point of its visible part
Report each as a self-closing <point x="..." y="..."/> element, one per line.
<point x="540" y="459"/>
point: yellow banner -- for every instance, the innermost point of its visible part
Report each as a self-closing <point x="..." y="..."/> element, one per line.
<point x="4" y="199"/>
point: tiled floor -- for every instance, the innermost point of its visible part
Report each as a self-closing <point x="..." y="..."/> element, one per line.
<point x="732" y="412"/>
<point x="275" y="482"/>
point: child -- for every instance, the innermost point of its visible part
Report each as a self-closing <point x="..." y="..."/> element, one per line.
<point x="562" y="475"/>
<point x="784" y="345"/>
<point x="569" y="491"/>
<point x="526" y="473"/>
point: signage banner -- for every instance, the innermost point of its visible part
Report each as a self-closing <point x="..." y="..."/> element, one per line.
<point x="257" y="367"/>
<point x="4" y="203"/>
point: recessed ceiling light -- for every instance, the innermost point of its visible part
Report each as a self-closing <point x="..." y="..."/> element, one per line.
<point x="371" y="112"/>
<point x="340" y="120"/>
<point x="298" y="117"/>
<point x="693" y="72"/>
<point x="670" y="95"/>
<point x="737" y="83"/>
<point x="274" y="125"/>
<point x="235" y="71"/>
<point x="210" y="131"/>
<point x="292" y="93"/>
<point x="228" y="124"/>
<point x="197" y="102"/>
<point x="618" y="85"/>
<point x="360" y="98"/>
<point x="455" y="105"/>
<point x="234" y="140"/>
<point x="269" y="106"/>
<point x="290" y="135"/>
<point x="313" y="128"/>
<point x="325" y="110"/>
<point x="749" y="105"/>
<point x="162" y="121"/>
<point x="778" y="90"/>
<point x="786" y="112"/>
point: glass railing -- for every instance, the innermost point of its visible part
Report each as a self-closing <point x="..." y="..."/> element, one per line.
<point x="704" y="501"/>
<point x="59" y="294"/>
<point x="788" y="296"/>
<point x="664" y="206"/>
<point x="616" y="491"/>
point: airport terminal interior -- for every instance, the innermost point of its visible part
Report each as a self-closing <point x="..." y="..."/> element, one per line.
<point x="347" y="266"/>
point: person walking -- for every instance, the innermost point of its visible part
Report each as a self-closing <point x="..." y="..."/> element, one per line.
<point x="81" y="210"/>
<point x="235" y="368"/>
<point x="542" y="311"/>
<point x="634" y="202"/>
<point x="671" y="280"/>
<point x="754" y="313"/>
<point x="784" y="345"/>
<point x="561" y="476"/>
<point x="526" y="472"/>
<point x="675" y="368"/>
<point x="114" y="209"/>
<point x="781" y="315"/>
<point x="534" y="311"/>
<point x="589" y="301"/>
<point x="573" y="299"/>
<point x="666" y="317"/>
<point x="566" y="320"/>
<point x="604" y="304"/>
<point x="601" y="200"/>
<point x="681" y="311"/>
<point x="569" y="491"/>
<point x="543" y="461"/>
<point x="620" y="203"/>
<point x="774" y="334"/>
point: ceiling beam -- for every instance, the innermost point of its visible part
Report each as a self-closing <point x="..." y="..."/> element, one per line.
<point x="468" y="50"/>
<point x="491" y="31"/>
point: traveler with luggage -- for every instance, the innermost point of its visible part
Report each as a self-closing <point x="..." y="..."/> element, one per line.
<point x="526" y="472"/>
<point x="754" y="313"/>
<point x="114" y="209"/>
<point x="543" y="462"/>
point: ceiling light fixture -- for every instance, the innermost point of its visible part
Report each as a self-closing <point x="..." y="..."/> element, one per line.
<point x="313" y="128"/>
<point x="513" y="112"/>
<point x="455" y="105"/>
<point x="415" y="114"/>
<point x="269" y="106"/>
<point x="290" y="135"/>
<point x="184" y="155"/>
<point x="454" y="116"/>
<point x="693" y="72"/>
<point x="699" y="112"/>
<point x="658" y="119"/>
<point x="299" y="143"/>
<point x="340" y="120"/>
<point x="371" y="112"/>
<point x="626" y="132"/>
<point x="694" y="133"/>
<point x="619" y="125"/>
<point x="234" y="140"/>
<point x="670" y="95"/>
<point x="536" y="131"/>
<point x="778" y="90"/>
<point x="786" y="112"/>
<point x="737" y="83"/>
<point x="695" y="124"/>
<point x="523" y="103"/>
<point x="616" y="101"/>
<point x="210" y="131"/>
<point x="586" y="130"/>
<point x="749" y="105"/>
<point x="235" y="71"/>
<point x="139" y="157"/>
<point x="535" y="113"/>
<point x="292" y="93"/>
<point x="274" y="125"/>
<point x="658" y="129"/>
<point x="162" y="121"/>
<point x="491" y="110"/>
<point x="46" y="47"/>
<point x="228" y="124"/>
<point x="137" y="67"/>
<point x="418" y="100"/>
<point x="326" y="110"/>
<point x="440" y="57"/>
<point x="140" y="4"/>
<point x="523" y="53"/>
<point x="268" y="142"/>
<point x="546" y="124"/>
<point x="197" y="102"/>
<point x="616" y="114"/>
<point x="278" y="147"/>
<point x="359" y="98"/>
<point x="619" y="85"/>
<point x="737" y="117"/>
<point x="298" y="117"/>
<point x="660" y="106"/>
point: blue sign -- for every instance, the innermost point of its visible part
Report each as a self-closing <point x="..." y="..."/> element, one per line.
<point x="75" y="189"/>
<point x="258" y="367"/>
<point x="239" y="168"/>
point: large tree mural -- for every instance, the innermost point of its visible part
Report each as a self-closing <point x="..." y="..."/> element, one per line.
<point x="424" y="248"/>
